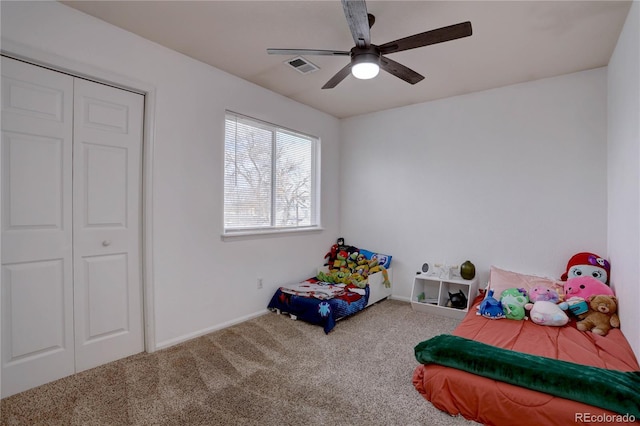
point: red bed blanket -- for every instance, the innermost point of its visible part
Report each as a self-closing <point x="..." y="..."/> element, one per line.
<point x="497" y="403"/>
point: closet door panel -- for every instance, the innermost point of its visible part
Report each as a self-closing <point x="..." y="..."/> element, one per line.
<point x="106" y="296"/>
<point x="107" y="165"/>
<point x="37" y="281"/>
<point x="37" y="324"/>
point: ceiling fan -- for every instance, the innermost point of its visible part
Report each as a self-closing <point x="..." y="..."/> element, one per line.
<point x="368" y="58"/>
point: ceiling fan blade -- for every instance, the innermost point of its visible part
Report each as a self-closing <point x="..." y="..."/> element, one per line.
<point x="356" y="13"/>
<point x="400" y="71"/>
<point x="307" y="52"/>
<point x="439" y="35"/>
<point x="340" y="75"/>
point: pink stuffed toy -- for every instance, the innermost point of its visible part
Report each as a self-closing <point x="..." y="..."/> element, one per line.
<point x="541" y="292"/>
<point x="585" y="287"/>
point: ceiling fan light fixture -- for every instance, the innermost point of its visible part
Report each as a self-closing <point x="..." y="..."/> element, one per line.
<point x="365" y="66"/>
<point x="366" y="58"/>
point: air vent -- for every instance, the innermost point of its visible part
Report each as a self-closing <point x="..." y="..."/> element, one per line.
<point x="302" y="65"/>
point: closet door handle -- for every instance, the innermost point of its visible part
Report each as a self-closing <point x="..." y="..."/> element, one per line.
<point x="106" y="243"/>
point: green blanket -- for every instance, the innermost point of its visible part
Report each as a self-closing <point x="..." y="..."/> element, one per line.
<point x="617" y="391"/>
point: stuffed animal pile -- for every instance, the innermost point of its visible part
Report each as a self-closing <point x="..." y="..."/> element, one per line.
<point x="585" y="294"/>
<point x="347" y="265"/>
<point x="587" y="279"/>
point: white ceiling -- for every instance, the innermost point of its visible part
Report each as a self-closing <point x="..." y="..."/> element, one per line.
<point x="512" y="42"/>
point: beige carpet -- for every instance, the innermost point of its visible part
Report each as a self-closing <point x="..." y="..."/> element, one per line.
<point x="267" y="371"/>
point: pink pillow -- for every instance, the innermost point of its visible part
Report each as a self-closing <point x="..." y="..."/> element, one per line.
<point x="500" y="280"/>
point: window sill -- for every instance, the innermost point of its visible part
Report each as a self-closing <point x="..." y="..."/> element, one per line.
<point x="272" y="233"/>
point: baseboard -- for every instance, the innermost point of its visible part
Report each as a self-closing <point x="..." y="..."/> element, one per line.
<point x="172" y="342"/>
<point x="401" y="298"/>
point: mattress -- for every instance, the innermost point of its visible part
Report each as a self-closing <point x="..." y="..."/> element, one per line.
<point x="493" y="402"/>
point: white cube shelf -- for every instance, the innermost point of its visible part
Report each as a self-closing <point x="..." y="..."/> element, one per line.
<point x="436" y="294"/>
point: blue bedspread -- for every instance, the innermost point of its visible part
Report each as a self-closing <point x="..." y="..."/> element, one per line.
<point x="316" y="311"/>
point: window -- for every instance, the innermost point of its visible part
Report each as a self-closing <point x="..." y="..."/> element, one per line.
<point x="269" y="177"/>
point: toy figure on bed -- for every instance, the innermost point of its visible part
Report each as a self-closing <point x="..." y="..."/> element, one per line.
<point x="541" y="292"/>
<point x="339" y="246"/>
<point x="602" y="315"/>
<point x="578" y="291"/>
<point x="513" y="301"/>
<point x="587" y="264"/>
<point x="587" y="274"/>
<point x="544" y="312"/>
<point x="543" y="307"/>
<point x="585" y="287"/>
<point x="490" y="307"/>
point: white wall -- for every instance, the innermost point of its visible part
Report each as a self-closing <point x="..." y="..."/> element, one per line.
<point x="624" y="174"/>
<point x="514" y="177"/>
<point x="200" y="283"/>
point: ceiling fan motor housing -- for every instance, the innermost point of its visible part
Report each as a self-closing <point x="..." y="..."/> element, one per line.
<point x="369" y="54"/>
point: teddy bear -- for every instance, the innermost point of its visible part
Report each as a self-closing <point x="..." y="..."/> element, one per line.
<point x="602" y="315"/>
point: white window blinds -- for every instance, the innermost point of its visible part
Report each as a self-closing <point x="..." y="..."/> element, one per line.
<point x="269" y="176"/>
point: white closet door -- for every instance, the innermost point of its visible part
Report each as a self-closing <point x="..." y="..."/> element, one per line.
<point x="71" y="184"/>
<point x="106" y="207"/>
<point x="37" y="283"/>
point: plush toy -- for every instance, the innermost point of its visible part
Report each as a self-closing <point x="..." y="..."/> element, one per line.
<point x="513" y="301"/>
<point x="352" y="260"/>
<point x="326" y="277"/>
<point x="587" y="264"/>
<point x="602" y="315"/>
<point x="341" y="277"/>
<point x="385" y="278"/>
<point x="362" y="270"/>
<point x="341" y="260"/>
<point x="348" y="249"/>
<point x="585" y="286"/>
<point x="357" y="280"/>
<point x="374" y="266"/>
<point x="331" y="255"/>
<point x="544" y="312"/>
<point x="490" y="307"/>
<point x="457" y="300"/>
<point x="577" y="306"/>
<point x="541" y="292"/>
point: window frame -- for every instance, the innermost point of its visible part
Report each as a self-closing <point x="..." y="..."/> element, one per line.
<point x="315" y="197"/>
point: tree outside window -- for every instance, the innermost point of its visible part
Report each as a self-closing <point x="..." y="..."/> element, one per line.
<point x="269" y="181"/>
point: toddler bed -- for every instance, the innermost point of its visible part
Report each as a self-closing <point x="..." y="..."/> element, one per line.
<point x="324" y="304"/>
<point x="491" y="399"/>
